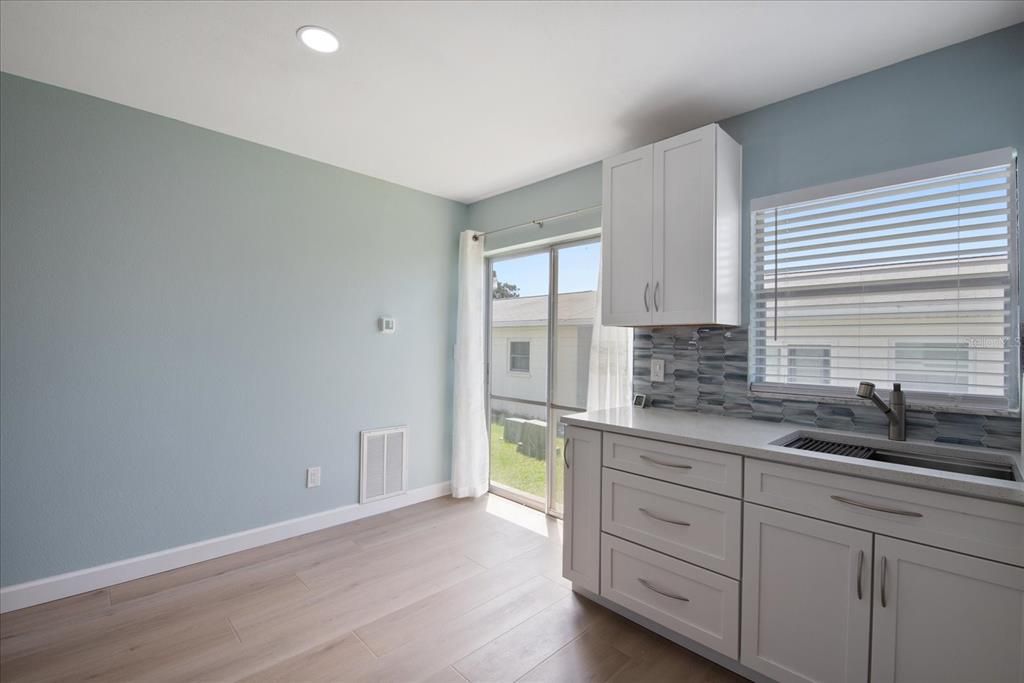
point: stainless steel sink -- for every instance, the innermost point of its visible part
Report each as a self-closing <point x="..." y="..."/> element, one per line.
<point x="975" y="462"/>
<point x="948" y="463"/>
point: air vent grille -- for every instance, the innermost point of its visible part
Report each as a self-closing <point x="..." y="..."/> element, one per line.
<point x="807" y="443"/>
<point x="382" y="468"/>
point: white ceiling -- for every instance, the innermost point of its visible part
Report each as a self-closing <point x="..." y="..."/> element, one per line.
<point x="468" y="99"/>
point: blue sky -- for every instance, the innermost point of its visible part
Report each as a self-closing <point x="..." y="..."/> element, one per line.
<point x="577" y="270"/>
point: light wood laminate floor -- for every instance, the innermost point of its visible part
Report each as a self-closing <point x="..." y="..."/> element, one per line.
<point x="441" y="591"/>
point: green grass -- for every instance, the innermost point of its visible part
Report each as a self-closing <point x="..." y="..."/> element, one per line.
<point x="511" y="468"/>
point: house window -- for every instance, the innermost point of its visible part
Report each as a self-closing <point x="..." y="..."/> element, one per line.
<point x="808" y="363"/>
<point x="932" y="367"/>
<point x="904" y="277"/>
<point x="519" y="356"/>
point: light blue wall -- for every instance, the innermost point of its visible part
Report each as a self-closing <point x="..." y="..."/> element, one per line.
<point x="964" y="98"/>
<point x="189" y="321"/>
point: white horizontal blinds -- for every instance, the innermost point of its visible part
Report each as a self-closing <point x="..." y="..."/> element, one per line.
<point x="911" y="282"/>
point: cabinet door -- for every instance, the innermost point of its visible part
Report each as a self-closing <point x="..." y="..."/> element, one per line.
<point x="684" y="228"/>
<point x="581" y="528"/>
<point x="626" y="288"/>
<point x="941" y="616"/>
<point x="806" y="598"/>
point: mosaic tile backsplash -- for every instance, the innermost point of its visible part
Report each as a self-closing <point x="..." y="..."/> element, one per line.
<point x="706" y="372"/>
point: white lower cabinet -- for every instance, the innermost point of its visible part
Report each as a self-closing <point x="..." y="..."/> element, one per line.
<point x="806" y="598"/>
<point x="972" y="526"/>
<point x="581" y="529"/>
<point x="811" y="611"/>
<point x="695" y="526"/>
<point x="944" y="617"/>
<point x="836" y="584"/>
<point x="691" y="601"/>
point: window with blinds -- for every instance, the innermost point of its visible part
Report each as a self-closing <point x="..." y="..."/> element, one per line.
<point x="906" y="277"/>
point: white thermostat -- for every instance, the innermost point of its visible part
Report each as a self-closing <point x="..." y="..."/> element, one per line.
<point x="386" y="325"/>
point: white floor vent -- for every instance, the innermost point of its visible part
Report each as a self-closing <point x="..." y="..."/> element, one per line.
<point x="382" y="463"/>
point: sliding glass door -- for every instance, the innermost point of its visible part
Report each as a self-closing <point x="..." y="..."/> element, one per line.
<point x="540" y="326"/>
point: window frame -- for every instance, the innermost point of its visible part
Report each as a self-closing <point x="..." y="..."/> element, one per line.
<point x="964" y="403"/>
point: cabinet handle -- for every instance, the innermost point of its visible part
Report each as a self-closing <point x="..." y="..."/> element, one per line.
<point x="665" y="464"/>
<point x="657" y="286"/>
<point x="877" y="508"/>
<point x="860" y="573"/>
<point x="647" y="584"/>
<point x="565" y="452"/>
<point x="647" y="290"/>
<point x="662" y="519"/>
<point x="883" y="582"/>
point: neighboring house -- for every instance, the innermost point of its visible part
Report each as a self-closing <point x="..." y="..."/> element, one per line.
<point x="971" y="366"/>
<point x="817" y="340"/>
<point x="519" y="352"/>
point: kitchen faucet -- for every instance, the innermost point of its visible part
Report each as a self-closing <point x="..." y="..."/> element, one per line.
<point x="897" y="414"/>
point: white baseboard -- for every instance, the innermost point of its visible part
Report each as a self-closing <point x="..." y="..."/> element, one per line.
<point x="84" y="580"/>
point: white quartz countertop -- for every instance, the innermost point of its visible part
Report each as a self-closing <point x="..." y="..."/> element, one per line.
<point x="754" y="439"/>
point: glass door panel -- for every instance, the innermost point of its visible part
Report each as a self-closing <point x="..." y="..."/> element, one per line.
<point x="519" y="327"/>
<point x="575" y="275"/>
<point x="519" y="376"/>
<point x="576" y="267"/>
<point x="541" y="320"/>
<point x="519" y="447"/>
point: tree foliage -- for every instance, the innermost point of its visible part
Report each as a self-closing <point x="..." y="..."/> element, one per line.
<point x="505" y="290"/>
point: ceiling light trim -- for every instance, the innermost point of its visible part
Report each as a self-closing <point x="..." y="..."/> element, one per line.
<point x="318" y="38"/>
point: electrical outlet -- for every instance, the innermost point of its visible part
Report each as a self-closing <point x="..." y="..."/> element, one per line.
<point x="312" y="477"/>
<point x="657" y="370"/>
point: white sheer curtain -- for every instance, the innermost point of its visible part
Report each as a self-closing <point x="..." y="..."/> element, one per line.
<point x="469" y="435"/>
<point x="611" y="363"/>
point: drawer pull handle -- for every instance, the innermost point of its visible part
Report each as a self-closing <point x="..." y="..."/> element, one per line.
<point x="877" y="508"/>
<point x="665" y="464"/>
<point x="860" y="573"/>
<point x="663" y="519"/>
<point x="647" y="584"/>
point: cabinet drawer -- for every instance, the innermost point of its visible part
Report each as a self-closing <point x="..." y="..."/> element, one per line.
<point x="969" y="525"/>
<point x="691" y="601"/>
<point x="702" y="528"/>
<point x="686" y="465"/>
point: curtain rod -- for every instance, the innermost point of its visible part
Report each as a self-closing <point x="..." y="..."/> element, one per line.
<point x="539" y="222"/>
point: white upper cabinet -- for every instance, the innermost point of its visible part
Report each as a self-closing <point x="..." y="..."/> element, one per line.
<point x="671" y="231"/>
<point x="626" y="274"/>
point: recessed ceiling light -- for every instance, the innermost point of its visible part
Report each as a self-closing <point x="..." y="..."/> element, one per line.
<point x="318" y="38"/>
